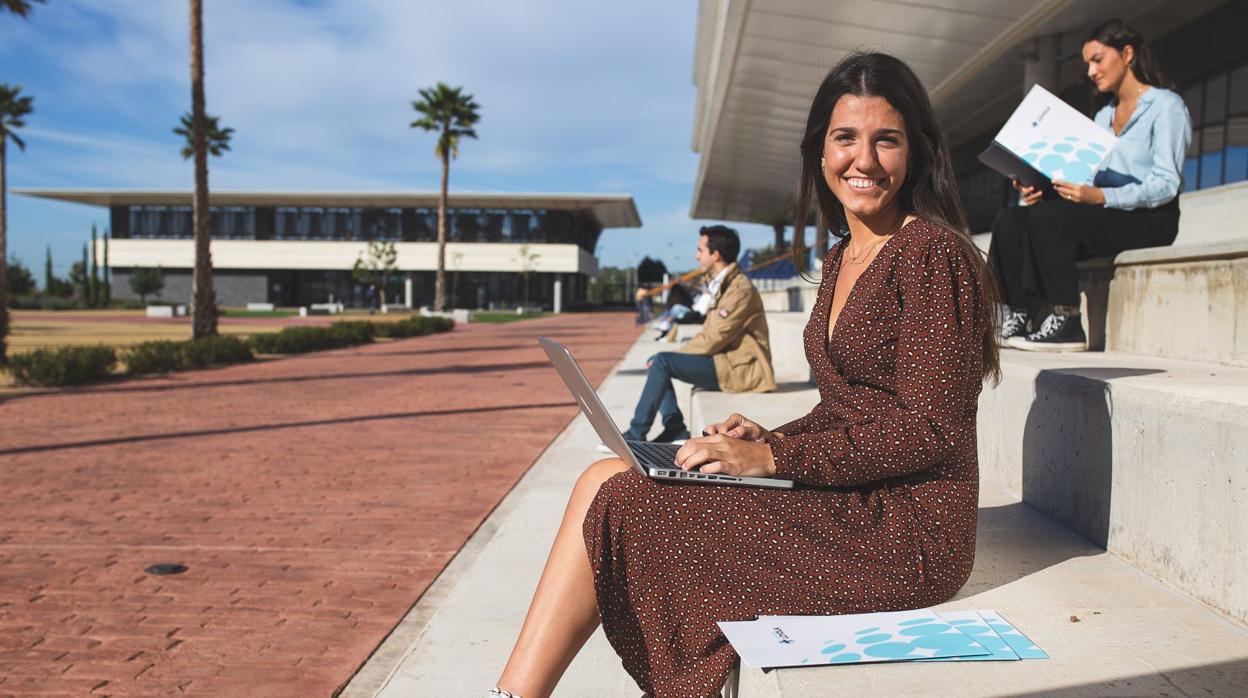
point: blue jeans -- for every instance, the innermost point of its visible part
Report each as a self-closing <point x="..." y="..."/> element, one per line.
<point x="659" y="397"/>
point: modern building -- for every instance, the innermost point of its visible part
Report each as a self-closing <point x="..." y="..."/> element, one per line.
<point x="758" y="63"/>
<point x="291" y="248"/>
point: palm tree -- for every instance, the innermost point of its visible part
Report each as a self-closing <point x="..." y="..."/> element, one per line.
<point x="21" y="8"/>
<point x="452" y="114"/>
<point x="218" y="138"/>
<point x="12" y="110"/>
<point x="203" y="298"/>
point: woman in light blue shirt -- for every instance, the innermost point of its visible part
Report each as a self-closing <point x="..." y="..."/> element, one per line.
<point x="1131" y="203"/>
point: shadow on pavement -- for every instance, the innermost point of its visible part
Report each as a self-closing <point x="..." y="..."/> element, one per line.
<point x="277" y="425"/>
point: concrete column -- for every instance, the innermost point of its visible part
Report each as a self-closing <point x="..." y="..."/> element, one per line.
<point x="1040" y="62"/>
<point x="558" y="295"/>
<point x="407" y="290"/>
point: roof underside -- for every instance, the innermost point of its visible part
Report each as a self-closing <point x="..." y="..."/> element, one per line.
<point x="758" y="63"/>
<point x="611" y="210"/>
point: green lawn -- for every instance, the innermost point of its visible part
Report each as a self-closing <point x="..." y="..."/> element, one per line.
<point x="501" y="317"/>
<point x="238" y="312"/>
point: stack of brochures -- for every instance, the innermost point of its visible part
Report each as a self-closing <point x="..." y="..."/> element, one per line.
<point x="1047" y="139"/>
<point x="895" y="636"/>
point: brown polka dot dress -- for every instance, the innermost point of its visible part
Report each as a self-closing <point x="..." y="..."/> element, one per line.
<point x="884" y="515"/>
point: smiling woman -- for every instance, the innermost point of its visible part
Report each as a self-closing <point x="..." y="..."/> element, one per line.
<point x="883" y="518"/>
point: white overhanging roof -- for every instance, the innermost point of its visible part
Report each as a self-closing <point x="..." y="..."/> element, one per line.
<point x="758" y="62"/>
<point x="611" y="210"/>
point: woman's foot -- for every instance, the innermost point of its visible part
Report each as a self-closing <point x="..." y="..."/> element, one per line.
<point x="1056" y="333"/>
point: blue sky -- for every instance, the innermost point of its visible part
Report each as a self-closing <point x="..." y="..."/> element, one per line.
<point x="589" y="96"/>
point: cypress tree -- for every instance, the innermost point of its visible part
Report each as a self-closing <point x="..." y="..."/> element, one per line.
<point x="93" y="297"/>
<point x="47" y="273"/>
<point x="86" y="279"/>
<point x="108" y="275"/>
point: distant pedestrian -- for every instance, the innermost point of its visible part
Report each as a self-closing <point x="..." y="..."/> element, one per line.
<point x="645" y="306"/>
<point x="372" y="298"/>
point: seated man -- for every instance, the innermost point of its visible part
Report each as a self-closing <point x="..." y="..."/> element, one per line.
<point x="731" y="353"/>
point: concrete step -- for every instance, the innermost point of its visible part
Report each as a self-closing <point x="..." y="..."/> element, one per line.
<point x="1144" y="638"/>
<point x="1147" y="457"/>
<point x="1109" y="630"/>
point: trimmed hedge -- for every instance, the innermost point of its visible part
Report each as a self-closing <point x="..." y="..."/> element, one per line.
<point x="294" y="340"/>
<point x="63" y="366"/>
<point x="163" y="356"/>
<point x="158" y="356"/>
<point x="217" y="351"/>
<point x="345" y="333"/>
<point x="77" y="365"/>
<point x="415" y="326"/>
<point x="353" y="332"/>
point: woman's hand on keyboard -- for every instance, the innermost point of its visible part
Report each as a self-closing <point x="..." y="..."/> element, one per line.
<point x="738" y="427"/>
<point x="720" y="453"/>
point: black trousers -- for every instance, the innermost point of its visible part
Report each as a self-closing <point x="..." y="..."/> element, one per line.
<point x="1034" y="248"/>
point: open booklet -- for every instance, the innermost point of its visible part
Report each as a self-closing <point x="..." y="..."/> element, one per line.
<point x="1047" y="139"/>
<point x="895" y="636"/>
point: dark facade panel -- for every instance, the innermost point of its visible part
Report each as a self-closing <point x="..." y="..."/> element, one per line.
<point x="328" y="223"/>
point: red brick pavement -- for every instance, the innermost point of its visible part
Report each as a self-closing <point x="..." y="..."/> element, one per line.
<point x="312" y="498"/>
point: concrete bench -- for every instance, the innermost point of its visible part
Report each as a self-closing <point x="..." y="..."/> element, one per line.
<point x="322" y="309"/>
<point x="1173" y="505"/>
<point x="461" y="316"/>
<point x="1184" y="301"/>
<point x="161" y="311"/>
<point x="260" y="307"/>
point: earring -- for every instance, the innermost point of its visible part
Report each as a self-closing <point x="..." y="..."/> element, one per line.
<point x="823" y="163"/>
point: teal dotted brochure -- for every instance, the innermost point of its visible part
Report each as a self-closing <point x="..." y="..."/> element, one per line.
<point x="1053" y="138"/>
<point x="922" y="635"/>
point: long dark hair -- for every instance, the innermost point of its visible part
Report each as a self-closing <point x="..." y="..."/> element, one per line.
<point x="1118" y="35"/>
<point x="930" y="190"/>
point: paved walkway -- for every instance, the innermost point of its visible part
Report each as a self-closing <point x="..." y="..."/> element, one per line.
<point x="313" y="500"/>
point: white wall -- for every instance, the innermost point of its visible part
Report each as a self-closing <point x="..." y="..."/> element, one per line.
<point x="329" y="255"/>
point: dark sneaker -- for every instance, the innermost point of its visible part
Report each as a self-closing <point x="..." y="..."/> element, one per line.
<point x="1014" y="325"/>
<point x="672" y="435"/>
<point x="1057" y="333"/>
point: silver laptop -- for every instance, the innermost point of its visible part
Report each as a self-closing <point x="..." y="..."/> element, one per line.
<point x="652" y="459"/>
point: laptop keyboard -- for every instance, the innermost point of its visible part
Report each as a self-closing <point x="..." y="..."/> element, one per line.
<point x="654" y="454"/>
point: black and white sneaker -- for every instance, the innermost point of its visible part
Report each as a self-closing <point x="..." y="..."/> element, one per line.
<point x="1057" y="333"/>
<point x="1014" y="325"/>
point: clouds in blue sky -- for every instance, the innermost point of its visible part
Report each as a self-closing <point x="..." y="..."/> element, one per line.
<point x="575" y="97"/>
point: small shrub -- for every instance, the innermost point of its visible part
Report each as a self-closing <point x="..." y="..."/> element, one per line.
<point x="416" y="326"/>
<point x="441" y="324"/>
<point x="159" y="356"/>
<point x="216" y="351"/>
<point x="63" y="366"/>
<point x="263" y="343"/>
<point x="293" y="340"/>
<point x="353" y="332"/>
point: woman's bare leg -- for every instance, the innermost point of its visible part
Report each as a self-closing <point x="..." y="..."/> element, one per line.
<point x="564" y="611"/>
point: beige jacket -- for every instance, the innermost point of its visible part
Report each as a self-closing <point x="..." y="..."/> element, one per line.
<point x="735" y="336"/>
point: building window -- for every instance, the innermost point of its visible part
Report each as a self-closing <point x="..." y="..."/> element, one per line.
<point x="160" y="222"/>
<point x="234" y="222"/>
<point x="1218" y="104"/>
<point x="383" y="224"/>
